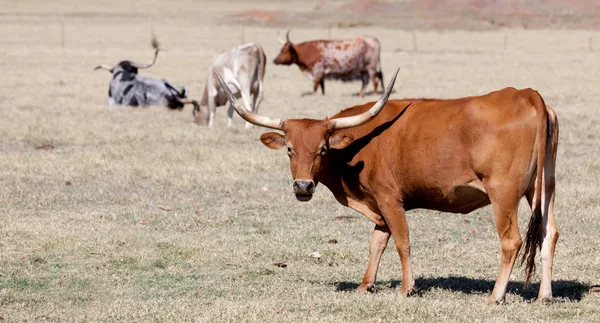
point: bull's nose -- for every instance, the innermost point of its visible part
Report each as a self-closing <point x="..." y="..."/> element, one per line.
<point x="304" y="187"/>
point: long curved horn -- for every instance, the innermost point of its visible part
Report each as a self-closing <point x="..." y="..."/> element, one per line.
<point x="106" y="67"/>
<point x="186" y="101"/>
<point x="147" y="65"/>
<point x="354" y="121"/>
<point x="246" y="114"/>
<point x="287" y="36"/>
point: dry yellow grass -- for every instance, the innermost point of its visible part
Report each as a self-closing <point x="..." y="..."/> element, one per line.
<point x="163" y="220"/>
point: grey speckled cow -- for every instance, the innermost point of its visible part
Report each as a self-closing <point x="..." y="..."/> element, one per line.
<point x="127" y="87"/>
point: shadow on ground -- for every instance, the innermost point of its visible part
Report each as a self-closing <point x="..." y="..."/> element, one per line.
<point x="562" y="290"/>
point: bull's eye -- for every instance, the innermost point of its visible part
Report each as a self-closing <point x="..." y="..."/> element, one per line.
<point x="323" y="150"/>
<point x="289" y="151"/>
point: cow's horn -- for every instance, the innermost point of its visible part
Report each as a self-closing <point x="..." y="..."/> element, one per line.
<point x="354" y="121"/>
<point x="287" y="36"/>
<point x="186" y="101"/>
<point x="147" y="65"/>
<point x="245" y="113"/>
<point x="106" y="67"/>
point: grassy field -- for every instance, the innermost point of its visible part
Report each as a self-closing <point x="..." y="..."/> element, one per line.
<point x="139" y="214"/>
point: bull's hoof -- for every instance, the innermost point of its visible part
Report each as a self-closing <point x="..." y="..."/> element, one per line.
<point x="366" y="288"/>
<point x="406" y="292"/>
<point x="496" y="301"/>
<point x="544" y="299"/>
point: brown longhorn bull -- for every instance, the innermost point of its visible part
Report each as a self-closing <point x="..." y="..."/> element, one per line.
<point x="456" y="155"/>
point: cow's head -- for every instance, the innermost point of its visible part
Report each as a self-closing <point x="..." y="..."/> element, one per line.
<point x="287" y="54"/>
<point x="308" y="141"/>
<point x="127" y="67"/>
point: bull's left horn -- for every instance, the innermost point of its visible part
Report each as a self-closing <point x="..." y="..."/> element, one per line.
<point x="354" y="121"/>
<point x="281" y="41"/>
<point x="147" y="65"/>
<point x="245" y="113"/>
<point x="106" y="67"/>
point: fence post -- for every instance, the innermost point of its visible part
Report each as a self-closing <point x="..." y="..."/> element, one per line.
<point x="414" y="40"/>
<point x="62" y="34"/>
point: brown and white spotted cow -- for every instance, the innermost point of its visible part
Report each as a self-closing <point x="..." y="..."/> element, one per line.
<point x="346" y="60"/>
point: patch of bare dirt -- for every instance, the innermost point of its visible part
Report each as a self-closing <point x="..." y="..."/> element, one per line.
<point x="438" y="14"/>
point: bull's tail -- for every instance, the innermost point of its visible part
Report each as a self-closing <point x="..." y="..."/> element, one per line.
<point x="379" y="72"/>
<point x="380" y="76"/>
<point x="262" y="62"/>
<point x="262" y="58"/>
<point x="534" y="238"/>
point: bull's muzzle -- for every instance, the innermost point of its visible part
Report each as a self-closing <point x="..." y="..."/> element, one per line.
<point x="304" y="189"/>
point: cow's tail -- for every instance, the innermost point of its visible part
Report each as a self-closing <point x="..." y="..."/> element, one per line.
<point x="534" y="238"/>
<point x="380" y="76"/>
<point x="379" y="72"/>
<point x="262" y="58"/>
<point x="261" y="62"/>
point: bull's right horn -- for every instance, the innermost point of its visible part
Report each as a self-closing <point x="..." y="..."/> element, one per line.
<point x="106" y="67"/>
<point x="186" y="101"/>
<point x="245" y="113"/>
<point x="287" y="36"/>
<point x="357" y="120"/>
<point x="147" y="65"/>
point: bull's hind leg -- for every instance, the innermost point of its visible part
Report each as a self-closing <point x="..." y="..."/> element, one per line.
<point x="365" y="82"/>
<point x="549" y="230"/>
<point x="373" y="75"/>
<point x="379" y="241"/>
<point x="319" y="82"/>
<point x="247" y="101"/>
<point x="505" y="204"/>
<point x="230" y="115"/>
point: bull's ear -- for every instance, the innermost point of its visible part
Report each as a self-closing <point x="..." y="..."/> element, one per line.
<point x="340" y="141"/>
<point x="273" y="140"/>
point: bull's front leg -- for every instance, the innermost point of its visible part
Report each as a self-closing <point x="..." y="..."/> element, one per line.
<point x="316" y="84"/>
<point x="212" y="109"/>
<point x="379" y="241"/>
<point x="365" y="82"/>
<point x="393" y="213"/>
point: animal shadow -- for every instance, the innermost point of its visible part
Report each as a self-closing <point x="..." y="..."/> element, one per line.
<point x="309" y="93"/>
<point x="562" y="290"/>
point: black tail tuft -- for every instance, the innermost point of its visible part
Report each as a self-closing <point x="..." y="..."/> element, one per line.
<point x="380" y="76"/>
<point x="533" y="242"/>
